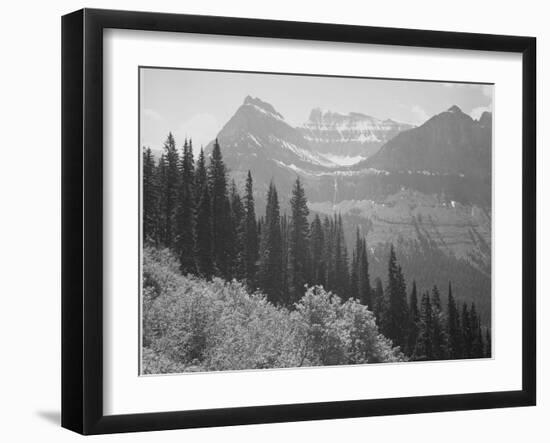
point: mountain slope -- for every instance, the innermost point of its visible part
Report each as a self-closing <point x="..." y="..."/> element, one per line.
<point x="257" y="129"/>
<point x="448" y="143"/>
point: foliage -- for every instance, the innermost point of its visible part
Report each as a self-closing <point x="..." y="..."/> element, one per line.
<point x="190" y="324"/>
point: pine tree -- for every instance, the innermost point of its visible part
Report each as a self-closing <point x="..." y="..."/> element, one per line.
<point x="353" y="278"/>
<point x="285" y="244"/>
<point x="467" y="341"/>
<point x="439" y="341"/>
<point x="237" y="233"/>
<point x="161" y="179"/>
<point x="379" y="302"/>
<point x="150" y="199"/>
<point x="453" y="327"/>
<point x="203" y="224"/>
<point x="397" y="314"/>
<point x="170" y="177"/>
<point x="363" y="276"/>
<point x="477" y="339"/>
<point x="250" y="236"/>
<point x="341" y="276"/>
<point x="201" y="177"/>
<point x="184" y="228"/>
<point x="271" y="249"/>
<point x="328" y="250"/>
<point x="424" y="345"/>
<point x="316" y="246"/>
<point x="298" y="263"/>
<point x="414" y="320"/>
<point x="221" y="218"/>
<point x="354" y="271"/>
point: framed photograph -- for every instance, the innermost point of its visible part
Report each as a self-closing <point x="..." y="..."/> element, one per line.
<point x="269" y="221"/>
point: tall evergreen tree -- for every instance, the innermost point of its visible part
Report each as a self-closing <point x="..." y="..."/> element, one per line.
<point x="424" y="345"/>
<point x="203" y="225"/>
<point x="467" y="341"/>
<point x="363" y="276"/>
<point x="453" y="327"/>
<point x="353" y="289"/>
<point x="379" y="302"/>
<point x="341" y="275"/>
<point x="285" y="245"/>
<point x="477" y="338"/>
<point x="221" y="217"/>
<point x="298" y="263"/>
<point x="150" y="198"/>
<point x="414" y="320"/>
<point x="397" y="314"/>
<point x="354" y="270"/>
<point x="316" y="246"/>
<point x="251" y="243"/>
<point x="271" y="249"/>
<point x="161" y="179"/>
<point x="328" y="251"/>
<point x="360" y="287"/>
<point x="237" y="233"/>
<point x="184" y="228"/>
<point x="201" y="177"/>
<point x="439" y="337"/>
<point x="170" y="177"/>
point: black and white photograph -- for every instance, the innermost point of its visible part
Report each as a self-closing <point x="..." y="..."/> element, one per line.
<point x="298" y="220"/>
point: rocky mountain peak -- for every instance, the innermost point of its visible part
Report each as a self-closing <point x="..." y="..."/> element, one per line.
<point x="261" y="106"/>
<point x="486" y="119"/>
<point x="448" y="143"/>
<point x="455" y="109"/>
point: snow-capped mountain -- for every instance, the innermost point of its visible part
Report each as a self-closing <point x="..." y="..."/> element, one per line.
<point x="257" y="138"/>
<point x="258" y="131"/>
<point x="346" y="139"/>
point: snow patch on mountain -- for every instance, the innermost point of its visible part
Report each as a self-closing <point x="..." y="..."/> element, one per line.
<point x="344" y="160"/>
<point x="302" y="153"/>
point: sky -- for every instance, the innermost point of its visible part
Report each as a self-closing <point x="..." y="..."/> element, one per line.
<point x="196" y="104"/>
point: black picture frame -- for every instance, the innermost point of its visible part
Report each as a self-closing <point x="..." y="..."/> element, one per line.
<point x="82" y="220"/>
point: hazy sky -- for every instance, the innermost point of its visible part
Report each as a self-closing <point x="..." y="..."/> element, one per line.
<point x="198" y="103"/>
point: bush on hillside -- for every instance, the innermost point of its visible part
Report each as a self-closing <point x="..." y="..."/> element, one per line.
<point x="190" y="324"/>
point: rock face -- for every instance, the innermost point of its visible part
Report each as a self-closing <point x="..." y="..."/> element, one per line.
<point x="448" y="143"/>
<point x="257" y="138"/>
<point x="348" y="139"/>
<point x="258" y="130"/>
<point x="427" y="189"/>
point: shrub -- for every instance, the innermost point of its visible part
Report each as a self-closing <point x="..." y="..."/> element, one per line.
<point x="190" y="324"/>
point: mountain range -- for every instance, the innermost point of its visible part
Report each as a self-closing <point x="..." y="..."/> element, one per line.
<point x="427" y="189"/>
<point x="448" y="155"/>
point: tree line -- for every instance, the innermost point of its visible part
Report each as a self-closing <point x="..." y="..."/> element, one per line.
<point x="195" y="211"/>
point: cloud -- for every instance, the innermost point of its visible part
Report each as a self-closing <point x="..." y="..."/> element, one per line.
<point x="151" y="114"/>
<point x="419" y="115"/>
<point x="476" y="112"/>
